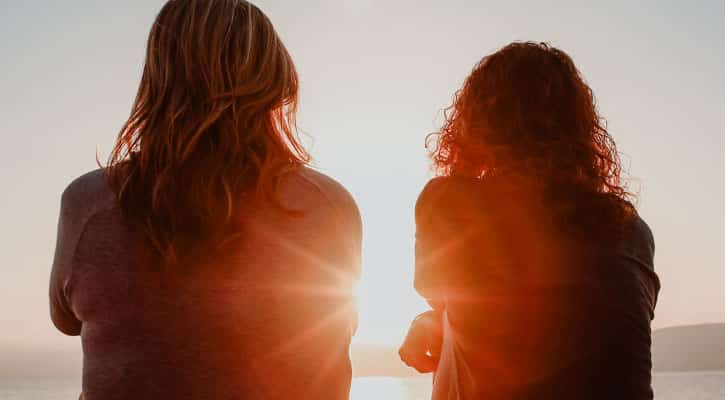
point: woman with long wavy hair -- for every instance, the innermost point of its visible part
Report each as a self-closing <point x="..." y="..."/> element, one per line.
<point x="528" y="247"/>
<point x="206" y="261"/>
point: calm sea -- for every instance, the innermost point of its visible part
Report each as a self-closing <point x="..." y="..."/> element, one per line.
<point x="668" y="386"/>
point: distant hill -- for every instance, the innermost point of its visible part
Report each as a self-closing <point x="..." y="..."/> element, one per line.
<point x="682" y="348"/>
<point x="689" y="348"/>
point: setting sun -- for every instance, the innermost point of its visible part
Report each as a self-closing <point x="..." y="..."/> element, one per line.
<point x="152" y="148"/>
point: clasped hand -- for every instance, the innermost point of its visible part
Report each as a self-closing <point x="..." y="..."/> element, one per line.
<point x="422" y="346"/>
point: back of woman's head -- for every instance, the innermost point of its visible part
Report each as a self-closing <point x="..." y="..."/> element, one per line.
<point x="214" y="118"/>
<point x="525" y="113"/>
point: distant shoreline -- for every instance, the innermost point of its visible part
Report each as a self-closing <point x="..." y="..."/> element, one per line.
<point x="693" y="349"/>
<point x="689" y="348"/>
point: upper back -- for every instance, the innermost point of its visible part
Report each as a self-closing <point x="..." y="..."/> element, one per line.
<point x="539" y="310"/>
<point x="513" y="216"/>
<point x="244" y="303"/>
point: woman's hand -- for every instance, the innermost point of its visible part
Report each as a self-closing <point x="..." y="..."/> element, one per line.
<point x="422" y="347"/>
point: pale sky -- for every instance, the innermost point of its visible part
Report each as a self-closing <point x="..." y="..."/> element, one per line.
<point x="375" y="75"/>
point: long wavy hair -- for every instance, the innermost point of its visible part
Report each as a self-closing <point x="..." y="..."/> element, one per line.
<point x="526" y="114"/>
<point x="213" y="121"/>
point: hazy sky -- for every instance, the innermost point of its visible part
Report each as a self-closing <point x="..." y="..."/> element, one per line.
<point x="375" y="75"/>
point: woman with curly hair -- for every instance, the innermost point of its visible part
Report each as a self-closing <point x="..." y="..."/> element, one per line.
<point x="536" y="264"/>
<point x="207" y="261"/>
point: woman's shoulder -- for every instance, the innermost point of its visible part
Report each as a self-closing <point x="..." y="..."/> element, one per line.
<point x="642" y="229"/>
<point x="638" y="240"/>
<point x="88" y="192"/>
<point x="307" y="185"/>
<point x="450" y="193"/>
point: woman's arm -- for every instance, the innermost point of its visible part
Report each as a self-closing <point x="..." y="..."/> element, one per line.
<point x="422" y="346"/>
<point x="429" y="251"/>
<point x="69" y="230"/>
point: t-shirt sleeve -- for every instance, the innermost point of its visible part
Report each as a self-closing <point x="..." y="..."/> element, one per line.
<point x="342" y="227"/>
<point x="639" y="247"/>
<point x="452" y="235"/>
<point x="334" y="240"/>
<point x="342" y="224"/>
<point x="356" y="243"/>
<point x="353" y="228"/>
<point x="70" y="226"/>
<point x="429" y="276"/>
<point x="351" y="242"/>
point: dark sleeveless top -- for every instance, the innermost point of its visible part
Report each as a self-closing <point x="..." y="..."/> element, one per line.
<point x="538" y="314"/>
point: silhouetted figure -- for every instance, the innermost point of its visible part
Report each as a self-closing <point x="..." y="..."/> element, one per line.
<point x="538" y="268"/>
<point x="207" y="261"/>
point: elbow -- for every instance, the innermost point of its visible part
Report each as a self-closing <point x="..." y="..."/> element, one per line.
<point x="420" y="286"/>
<point x="68" y="328"/>
<point x="430" y="294"/>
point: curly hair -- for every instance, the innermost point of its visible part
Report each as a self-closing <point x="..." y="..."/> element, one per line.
<point x="214" y="119"/>
<point x="526" y="111"/>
